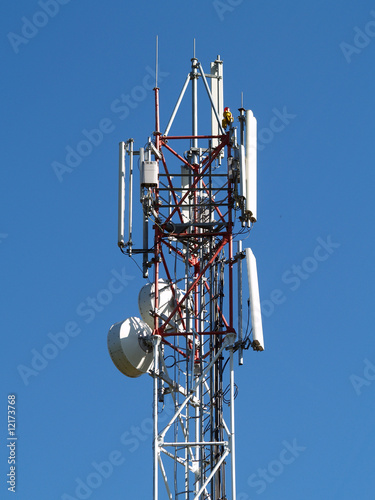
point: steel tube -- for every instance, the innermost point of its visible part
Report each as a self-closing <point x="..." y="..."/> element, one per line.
<point x="232" y="435"/>
<point x="210" y="97"/>
<point x="177" y="105"/>
<point x="194" y="78"/>
<point x="156" y="342"/>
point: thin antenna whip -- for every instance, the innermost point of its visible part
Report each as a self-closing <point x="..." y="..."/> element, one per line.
<point x="156" y="61"/>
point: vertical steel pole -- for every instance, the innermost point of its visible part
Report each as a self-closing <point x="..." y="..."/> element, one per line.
<point x="156" y="342"/>
<point x="157" y="232"/>
<point x="242" y="125"/>
<point x="195" y="161"/>
<point x="187" y="439"/>
<point x="194" y="78"/>
<point x="157" y="338"/>
<point x="197" y="439"/>
<point x="232" y="435"/>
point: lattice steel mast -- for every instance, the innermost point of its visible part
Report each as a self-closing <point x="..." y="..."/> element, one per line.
<point x="186" y="339"/>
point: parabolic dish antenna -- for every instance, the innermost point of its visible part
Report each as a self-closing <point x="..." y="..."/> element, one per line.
<point x="128" y="346"/>
<point x="167" y="303"/>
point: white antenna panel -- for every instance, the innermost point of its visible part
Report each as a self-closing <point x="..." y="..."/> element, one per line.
<point x="256" y="315"/>
<point x="251" y="165"/>
<point x="243" y="171"/>
<point x="121" y="195"/>
<point x="128" y="348"/>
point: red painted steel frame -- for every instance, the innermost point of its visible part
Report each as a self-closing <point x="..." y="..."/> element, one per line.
<point x="162" y="237"/>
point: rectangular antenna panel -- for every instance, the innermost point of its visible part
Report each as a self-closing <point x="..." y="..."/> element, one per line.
<point x="251" y="165"/>
<point x="121" y="195"/>
<point x="256" y="315"/>
<point x="242" y="171"/>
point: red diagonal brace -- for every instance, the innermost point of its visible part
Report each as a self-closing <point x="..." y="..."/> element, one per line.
<point x="207" y="163"/>
<point x="172" y="287"/>
<point x="222" y="244"/>
<point x="176" y="154"/>
<point x="171" y="186"/>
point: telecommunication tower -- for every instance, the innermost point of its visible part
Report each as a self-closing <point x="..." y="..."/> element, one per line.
<point x="198" y="197"/>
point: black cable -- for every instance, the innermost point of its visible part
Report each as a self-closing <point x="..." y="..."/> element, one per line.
<point x="135" y="262"/>
<point x="174" y="361"/>
<point x="225" y="392"/>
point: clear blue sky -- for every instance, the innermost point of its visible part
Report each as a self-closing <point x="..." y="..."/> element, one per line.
<point x="65" y="72"/>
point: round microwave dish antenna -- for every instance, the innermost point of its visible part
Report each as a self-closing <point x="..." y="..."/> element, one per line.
<point x="129" y="348"/>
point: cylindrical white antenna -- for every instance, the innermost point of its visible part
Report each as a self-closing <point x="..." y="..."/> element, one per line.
<point x="121" y="195"/>
<point x="251" y="165"/>
<point x="141" y="161"/>
<point x="256" y="315"/>
<point x="213" y="104"/>
<point x="217" y="96"/>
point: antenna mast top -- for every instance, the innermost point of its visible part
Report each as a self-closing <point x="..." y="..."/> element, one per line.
<point x="156" y="61"/>
<point x="193" y="206"/>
